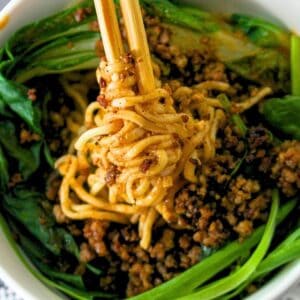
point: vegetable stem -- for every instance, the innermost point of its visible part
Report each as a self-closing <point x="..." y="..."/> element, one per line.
<point x="295" y="65"/>
<point x="235" y="118"/>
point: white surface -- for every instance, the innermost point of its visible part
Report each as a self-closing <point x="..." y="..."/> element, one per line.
<point x="17" y="277"/>
<point x="20" y="12"/>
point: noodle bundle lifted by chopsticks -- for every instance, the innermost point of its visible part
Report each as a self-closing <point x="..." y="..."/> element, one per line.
<point x="135" y="150"/>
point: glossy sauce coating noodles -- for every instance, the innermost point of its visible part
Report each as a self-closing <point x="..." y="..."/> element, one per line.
<point x="135" y="151"/>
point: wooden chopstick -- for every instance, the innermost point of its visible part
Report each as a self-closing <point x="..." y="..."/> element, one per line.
<point x="138" y="44"/>
<point x="109" y="28"/>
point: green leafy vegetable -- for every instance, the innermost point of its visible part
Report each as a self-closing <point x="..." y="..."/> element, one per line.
<point x="261" y="32"/>
<point x="38" y="255"/>
<point x="15" y="97"/>
<point x="253" y="61"/>
<point x="51" y="52"/>
<point x="50" y="28"/>
<point x="295" y="65"/>
<point x="287" y="251"/>
<point x="28" y="159"/>
<point x="172" y="13"/>
<point x="4" y="175"/>
<point x="283" y="114"/>
<point x="228" y="283"/>
<point x="74" y="280"/>
<point x="56" y="44"/>
<point x="73" y="292"/>
<point x="26" y="207"/>
<point x="193" y="10"/>
<point x="235" y="118"/>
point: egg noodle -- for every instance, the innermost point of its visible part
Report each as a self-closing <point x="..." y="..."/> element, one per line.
<point x="135" y="152"/>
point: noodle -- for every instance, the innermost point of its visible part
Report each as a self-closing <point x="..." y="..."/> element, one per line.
<point x="135" y="152"/>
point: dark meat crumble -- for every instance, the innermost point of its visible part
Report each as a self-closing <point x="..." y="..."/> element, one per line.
<point x="223" y="205"/>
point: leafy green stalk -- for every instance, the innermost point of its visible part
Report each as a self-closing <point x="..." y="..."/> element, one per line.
<point x="194" y="11"/>
<point x="238" y="164"/>
<point x="295" y="65"/>
<point x="230" y="282"/>
<point x="203" y="271"/>
<point x="235" y="118"/>
<point x="286" y="252"/>
<point x="4" y="175"/>
<point x="56" y="44"/>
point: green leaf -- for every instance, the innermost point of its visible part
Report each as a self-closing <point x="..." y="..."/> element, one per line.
<point x="53" y="45"/>
<point x="66" y="240"/>
<point x="172" y="13"/>
<point x="59" y="56"/>
<point x="283" y="114"/>
<point x="261" y="32"/>
<point x="4" y="110"/>
<point x="38" y="254"/>
<point x="71" y="291"/>
<point x="34" y="249"/>
<point x="26" y="207"/>
<point x="4" y="175"/>
<point x="14" y="96"/>
<point x="28" y="159"/>
<point x="74" y="280"/>
<point x="39" y="32"/>
<point x="58" y="66"/>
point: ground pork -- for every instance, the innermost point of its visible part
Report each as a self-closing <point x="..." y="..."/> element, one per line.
<point x="260" y="148"/>
<point x="190" y="66"/>
<point x="286" y="169"/>
<point x="170" y="253"/>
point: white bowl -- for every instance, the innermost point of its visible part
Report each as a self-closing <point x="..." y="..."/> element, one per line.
<point x="20" y="12"/>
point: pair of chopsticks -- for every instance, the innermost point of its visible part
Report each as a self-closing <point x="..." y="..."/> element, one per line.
<point x="136" y="34"/>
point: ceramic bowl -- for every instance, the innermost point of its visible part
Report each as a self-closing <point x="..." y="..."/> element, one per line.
<point x="20" y="12"/>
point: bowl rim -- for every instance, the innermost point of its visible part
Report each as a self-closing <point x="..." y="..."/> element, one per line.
<point x="282" y="281"/>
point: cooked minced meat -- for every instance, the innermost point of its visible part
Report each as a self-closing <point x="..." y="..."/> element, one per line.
<point x="170" y="253"/>
<point x="224" y="204"/>
<point x="286" y="170"/>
